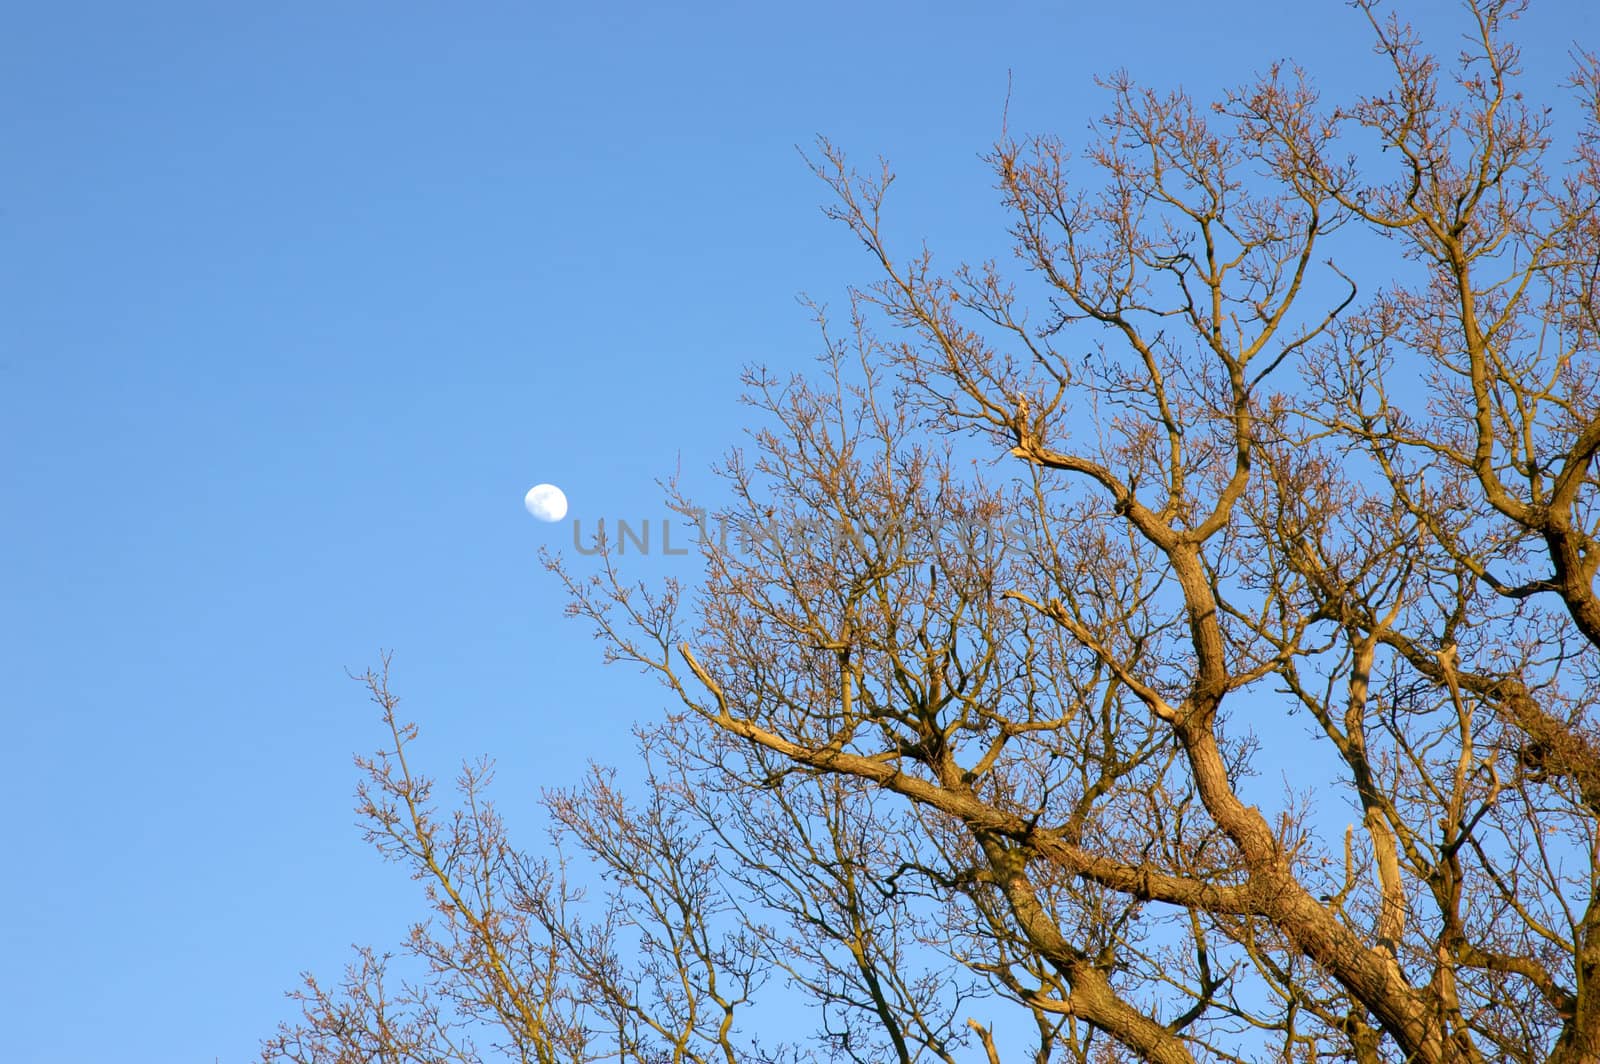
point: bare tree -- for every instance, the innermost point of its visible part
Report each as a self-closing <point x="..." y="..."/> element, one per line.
<point x="1294" y="414"/>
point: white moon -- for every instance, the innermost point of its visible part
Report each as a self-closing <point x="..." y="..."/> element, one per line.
<point x="546" y="502"/>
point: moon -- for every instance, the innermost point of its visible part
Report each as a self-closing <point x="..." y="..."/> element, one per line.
<point x="546" y="502"/>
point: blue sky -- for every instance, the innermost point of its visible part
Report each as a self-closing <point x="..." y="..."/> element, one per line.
<point x="297" y="299"/>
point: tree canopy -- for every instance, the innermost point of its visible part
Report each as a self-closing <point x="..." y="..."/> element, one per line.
<point x="1176" y="644"/>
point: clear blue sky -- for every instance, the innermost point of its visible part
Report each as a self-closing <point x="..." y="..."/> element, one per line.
<point x="296" y="300"/>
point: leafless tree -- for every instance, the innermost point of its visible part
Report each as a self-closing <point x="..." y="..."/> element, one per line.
<point x="1273" y="459"/>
